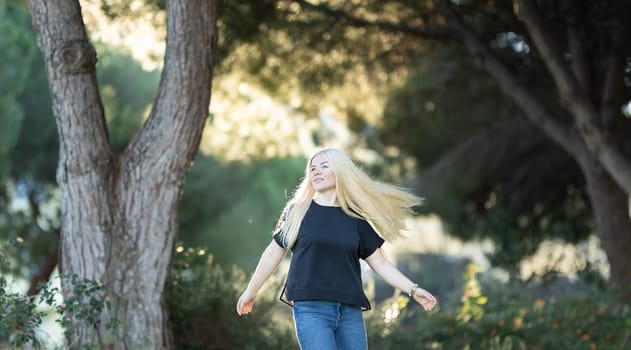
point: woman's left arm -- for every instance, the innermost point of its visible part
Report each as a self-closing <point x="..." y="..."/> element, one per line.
<point x="395" y="278"/>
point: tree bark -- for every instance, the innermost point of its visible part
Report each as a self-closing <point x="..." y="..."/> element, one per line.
<point x="119" y="211"/>
<point x="611" y="211"/>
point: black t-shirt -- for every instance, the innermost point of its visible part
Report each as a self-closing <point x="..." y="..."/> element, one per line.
<point x="325" y="258"/>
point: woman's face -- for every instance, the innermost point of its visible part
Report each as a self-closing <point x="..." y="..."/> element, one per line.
<point x="321" y="175"/>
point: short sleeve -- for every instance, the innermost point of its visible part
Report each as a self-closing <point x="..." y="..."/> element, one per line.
<point x="278" y="233"/>
<point x="369" y="240"/>
<point x="278" y="239"/>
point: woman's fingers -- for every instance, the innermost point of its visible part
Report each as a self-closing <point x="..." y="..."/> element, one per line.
<point x="426" y="299"/>
<point x="427" y="304"/>
<point x="240" y="307"/>
<point x="244" y="307"/>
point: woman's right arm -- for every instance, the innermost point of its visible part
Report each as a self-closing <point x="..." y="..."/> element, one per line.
<point x="269" y="261"/>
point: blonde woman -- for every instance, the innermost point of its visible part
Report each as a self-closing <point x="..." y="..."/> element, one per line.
<point x="337" y="215"/>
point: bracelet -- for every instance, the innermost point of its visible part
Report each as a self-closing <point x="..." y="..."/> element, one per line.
<point x="413" y="290"/>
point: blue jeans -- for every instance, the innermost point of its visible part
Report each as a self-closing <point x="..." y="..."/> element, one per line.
<point x="328" y="325"/>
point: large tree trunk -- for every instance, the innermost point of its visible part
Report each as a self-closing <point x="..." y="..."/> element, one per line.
<point x="119" y="221"/>
<point x="611" y="210"/>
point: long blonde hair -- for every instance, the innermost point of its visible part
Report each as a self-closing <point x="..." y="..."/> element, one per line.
<point x="383" y="205"/>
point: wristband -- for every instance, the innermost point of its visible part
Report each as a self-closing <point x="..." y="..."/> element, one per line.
<point x="413" y="290"/>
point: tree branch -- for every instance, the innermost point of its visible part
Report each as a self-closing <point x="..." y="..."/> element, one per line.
<point x="476" y="155"/>
<point x="173" y="130"/>
<point x="564" y="79"/>
<point x="435" y="33"/>
<point x="70" y="65"/>
<point x="579" y="63"/>
<point x="563" y="135"/>
<point x="577" y="102"/>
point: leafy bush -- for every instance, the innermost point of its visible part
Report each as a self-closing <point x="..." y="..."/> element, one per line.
<point x="18" y="318"/>
<point x="500" y="316"/>
<point x="587" y="322"/>
<point x="84" y="303"/>
<point x="202" y="297"/>
<point x="18" y="314"/>
<point x="202" y="301"/>
<point x="571" y="324"/>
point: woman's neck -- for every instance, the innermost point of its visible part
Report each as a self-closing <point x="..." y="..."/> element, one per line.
<point x="326" y="198"/>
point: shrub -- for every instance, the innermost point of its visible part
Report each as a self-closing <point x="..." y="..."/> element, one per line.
<point x="587" y="322"/>
<point x="202" y="301"/>
<point x="19" y="317"/>
<point x="84" y="303"/>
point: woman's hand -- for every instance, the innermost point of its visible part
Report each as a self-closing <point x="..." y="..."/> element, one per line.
<point x="269" y="261"/>
<point x="245" y="303"/>
<point x="425" y="298"/>
<point x="395" y="278"/>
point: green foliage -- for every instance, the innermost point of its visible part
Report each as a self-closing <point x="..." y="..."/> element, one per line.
<point x="591" y="321"/>
<point x="85" y="302"/>
<point x="17" y="50"/>
<point x="201" y="296"/>
<point x="28" y="155"/>
<point x="445" y="100"/>
<point x="30" y="215"/>
<point x="242" y="22"/>
<point x="232" y="208"/>
<point x="202" y="299"/>
<point x="34" y="155"/>
<point x="18" y="47"/>
<point x="482" y="168"/>
<point x="19" y="316"/>
<point x="127" y="91"/>
<point x="472" y="298"/>
<point x="517" y="234"/>
<point x="239" y="21"/>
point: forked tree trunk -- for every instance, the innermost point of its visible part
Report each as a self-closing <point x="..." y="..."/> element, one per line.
<point x="119" y="211"/>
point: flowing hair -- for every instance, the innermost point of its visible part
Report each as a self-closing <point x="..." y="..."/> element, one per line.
<point x="384" y="206"/>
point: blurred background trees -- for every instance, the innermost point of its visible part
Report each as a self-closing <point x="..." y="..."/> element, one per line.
<point x="520" y="168"/>
<point x="391" y="81"/>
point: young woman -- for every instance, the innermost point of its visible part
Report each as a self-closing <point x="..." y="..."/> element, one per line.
<point x="337" y="215"/>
